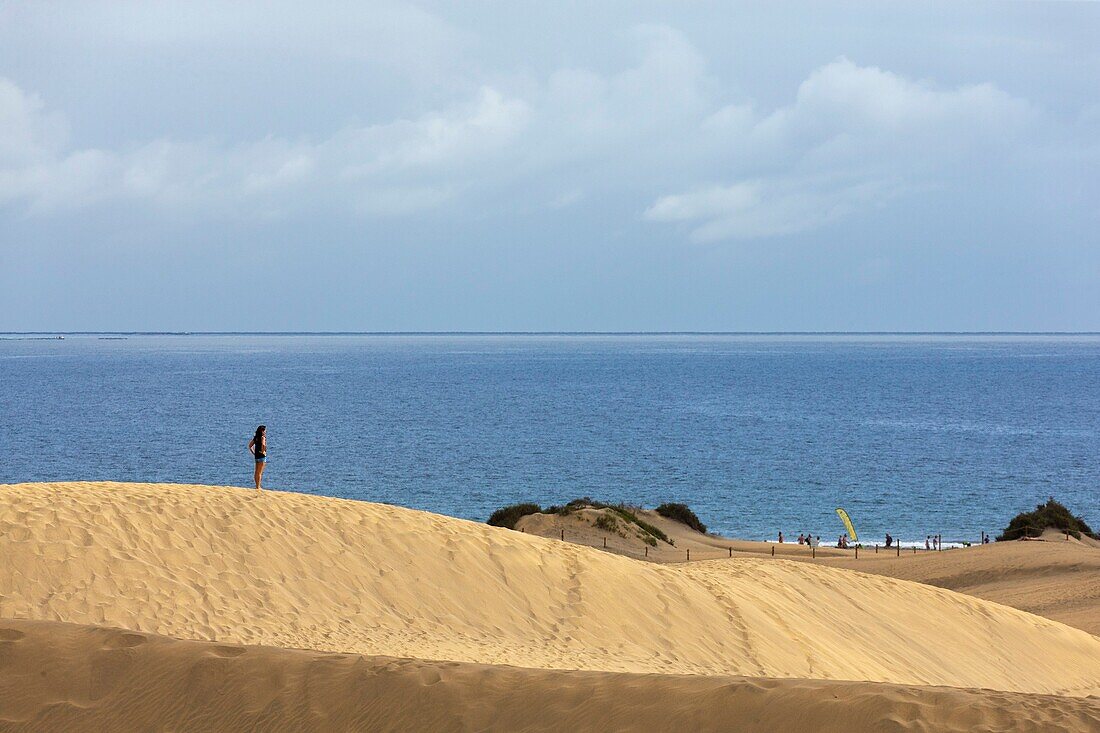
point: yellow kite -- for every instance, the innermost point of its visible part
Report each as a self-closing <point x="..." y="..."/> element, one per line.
<point x="847" y="523"/>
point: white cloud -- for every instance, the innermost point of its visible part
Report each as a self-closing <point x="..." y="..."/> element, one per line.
<point x="28" y="134"/>
<point x="398" y="167"/>
<point x="765" y="208"/>
<point x="436" y="140"/>
<point x="843" y="102"/>
<point x="853" y="138"/>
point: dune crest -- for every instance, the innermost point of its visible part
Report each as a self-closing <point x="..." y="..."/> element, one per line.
<point x="297" y="570"/>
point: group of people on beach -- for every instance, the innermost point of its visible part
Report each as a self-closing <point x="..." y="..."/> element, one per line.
<point x="931" y="542"/>
<point x="803" y="539"/>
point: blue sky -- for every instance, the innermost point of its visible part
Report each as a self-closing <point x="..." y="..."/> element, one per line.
<point x="553" y="166"/>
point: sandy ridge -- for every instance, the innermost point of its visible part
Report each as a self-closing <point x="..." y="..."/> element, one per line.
<point x="56" y="676"/>
<point x="1055" y="578"/>
<point x="296" y="570"/>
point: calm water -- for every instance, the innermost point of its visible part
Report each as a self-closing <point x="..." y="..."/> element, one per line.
<point x="912" y="435"/>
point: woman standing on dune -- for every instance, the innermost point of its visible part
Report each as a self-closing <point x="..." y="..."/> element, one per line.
<point x="258" y="447"/>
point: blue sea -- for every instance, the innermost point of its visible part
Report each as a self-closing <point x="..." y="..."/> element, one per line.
<point x="912" y="434"/>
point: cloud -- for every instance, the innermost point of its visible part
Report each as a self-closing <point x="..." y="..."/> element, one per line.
<point x="438" y="140"/>
<point x="766" y="208"/>
<point x="396" y="167"/>
<point x="393" y="168"/>
<point x="27" y="132"/>
<point x="853" y="139"/>
<point x="842" y="104"/>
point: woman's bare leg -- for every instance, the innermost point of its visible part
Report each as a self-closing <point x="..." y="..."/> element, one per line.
<point x="259" y="473"/>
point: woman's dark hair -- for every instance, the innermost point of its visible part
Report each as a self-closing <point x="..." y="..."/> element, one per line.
<point x="259" y="434"/>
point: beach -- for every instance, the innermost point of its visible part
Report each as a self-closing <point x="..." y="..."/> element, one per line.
<point x="467" y="603"/>
<point x="595" y="367"/>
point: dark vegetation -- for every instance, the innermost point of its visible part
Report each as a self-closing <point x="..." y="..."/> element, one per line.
<point x="682" y="513"/>
<point x="1050" y="515"/>
<point x="607" y="523"/>
<point x="509" y="515"/>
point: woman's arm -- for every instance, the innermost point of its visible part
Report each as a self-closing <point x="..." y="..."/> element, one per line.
<point x="250" y="444"/>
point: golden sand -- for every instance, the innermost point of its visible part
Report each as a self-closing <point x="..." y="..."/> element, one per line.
<point x="64" y="677"/>
<point x="310" y="572"/>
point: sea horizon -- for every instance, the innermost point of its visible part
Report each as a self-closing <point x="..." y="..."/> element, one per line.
<point x="552" y="333"/>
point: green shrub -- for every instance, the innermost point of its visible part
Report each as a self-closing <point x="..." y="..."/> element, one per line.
<point x="682" y="513"/>
<point x="607" y="523"/>
<point x="646" y="527"/>
<point x="509" y="515"/>
<point x="1049" y="515"/>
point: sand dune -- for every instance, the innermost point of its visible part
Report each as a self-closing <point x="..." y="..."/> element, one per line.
<point x="296" y="570"/>
<point x="579" y="528"/>
<point x="64" y="677"/>
<point x="1055" y="578"/>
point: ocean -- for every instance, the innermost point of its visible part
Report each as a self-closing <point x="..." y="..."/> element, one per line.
<point x="912" y="434"/>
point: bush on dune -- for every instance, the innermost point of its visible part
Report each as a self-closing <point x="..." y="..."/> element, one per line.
<point x="646" y="527"/>
<point x="625" y="513"/>
<point x="607" y="523"/>
<point x="1051" y="515"/>
<point x="682" y="513"/>
<point x="509" y="515"/>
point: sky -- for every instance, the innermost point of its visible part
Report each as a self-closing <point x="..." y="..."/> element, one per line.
<point x="520" y="166"/>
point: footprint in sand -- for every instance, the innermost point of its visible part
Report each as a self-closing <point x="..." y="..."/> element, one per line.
<point x="11" y="634"/>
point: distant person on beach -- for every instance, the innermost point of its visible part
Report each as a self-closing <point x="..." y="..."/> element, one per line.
<point x="781" y="537"/>
<point x="889" y="540"/>
<point x="258" y="447"/>
<point x="928" y="542"/>
<point x="801" y="539"/>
